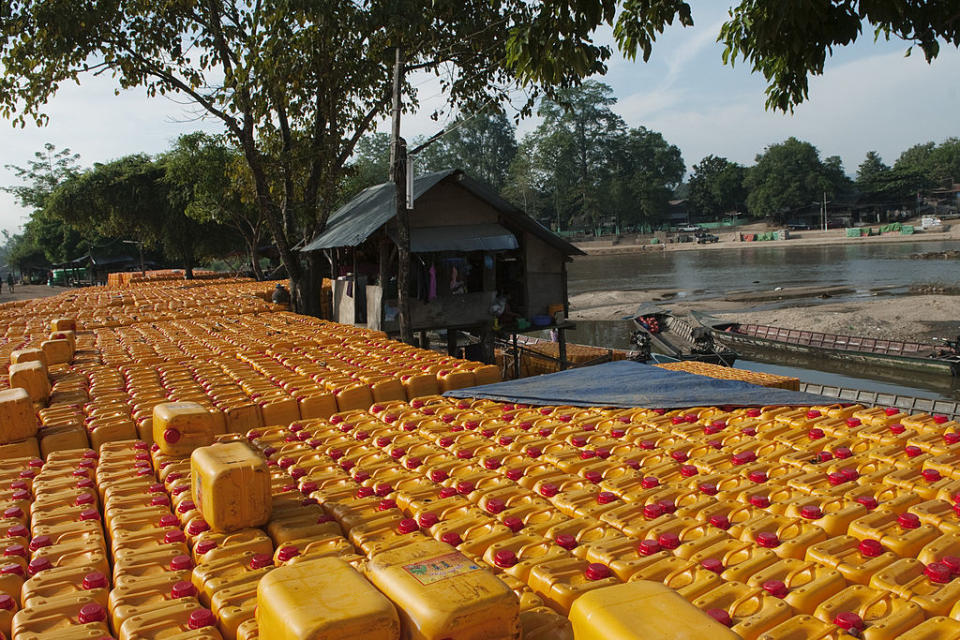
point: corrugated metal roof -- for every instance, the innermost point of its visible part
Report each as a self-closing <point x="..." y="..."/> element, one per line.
<point x="372" y="208"/>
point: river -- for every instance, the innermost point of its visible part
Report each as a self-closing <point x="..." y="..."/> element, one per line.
<point x="703" y="275"/>
<point x="712" y="273"/>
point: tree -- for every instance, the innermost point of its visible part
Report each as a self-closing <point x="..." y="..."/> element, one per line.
<point x="215" y="183"/>
<point x="938" y="164"/>
<point x="296" y="85"/>
<point x="789" y="176"/>
<point x="573" y="147"/>
<point x="785" y="41"/>
<point x="716" y="186"/>
<point x="482" y="144"/>
<point x="645" y="170"/>
<point x="130" y="198"/>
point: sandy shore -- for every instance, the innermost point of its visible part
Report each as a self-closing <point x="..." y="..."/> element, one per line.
<point x="29" y="291"/>
<point x="729" y="240"/>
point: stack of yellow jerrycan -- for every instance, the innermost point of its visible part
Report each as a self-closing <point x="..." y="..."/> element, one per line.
<point x="180" y="461"/>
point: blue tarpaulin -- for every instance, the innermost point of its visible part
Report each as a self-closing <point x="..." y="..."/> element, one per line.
<point x="632" y="384"/>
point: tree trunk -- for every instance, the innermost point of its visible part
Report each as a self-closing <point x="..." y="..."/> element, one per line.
<point x="188" y="266"/>
<point x="398" y="173"/>
<point x="255" y="261"/>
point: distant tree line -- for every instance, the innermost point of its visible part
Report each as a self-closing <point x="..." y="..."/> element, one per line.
<point x="582" y="169"/>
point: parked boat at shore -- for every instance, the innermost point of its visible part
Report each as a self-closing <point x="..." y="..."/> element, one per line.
<point x="888" y="354"/>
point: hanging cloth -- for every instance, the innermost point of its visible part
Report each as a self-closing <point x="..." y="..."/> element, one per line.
<point x="432" y="294"/>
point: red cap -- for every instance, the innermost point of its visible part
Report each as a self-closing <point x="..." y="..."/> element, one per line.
<point x="438" y="475"/>
<point x="533" y="452"/>
<point x="39" y="542"/>
<point x="813" y="413"/>
<point x="815" y="434"/>
<point x="491" y="463"/>
<point x="515" y="473"/>
<point x="386" y="504"/>
<point x="908" y="520"/>
<point x="648" y="547"/>
<point x="891" y="411"/>
<point x="465" y="487"/>
<point x="287" y="553"/>
<point x="720" y="521"/>
<point x="596" y="571"/>
<point x="842" y="453"/>
<point x="38" y="564"/>
<point x="647" y="445"/>
<point x="744" y="457"/>
<point x="712" y="564"/>
<point x="606" y="497"/>
<point x="13" y="512"/>
<point x="870" y="548"/>
<point x="593" y="476"/>
<point x="197" y="526"/>
<point x="182" y="589"/>
<point x="577" y="441"/>
<point x="953" y="563"/>
<point x="173" y="536"/>
<point x="181" y="563"/>
<point x="721" y="616"/>
<point x="504" y="558"/>
<point x="759" y="477"/>
<point x="427" y="519"/>
<point x="7" y="603"/>
<point x="708" y="488"/>
<point x="94" y="580"/>
<point x="952" y="437"/>
<point x="652" y="511"/>
<point x="513" y="523"/>
<point x="382" y="490"/>
<point x="848" y="621"/>
<point x="566" y="541"/>
<point x="836" y="478"/>
<point x="940" y="419"/>
<point x="446" y="492"/>
<point x="505" y="440"/>
<point x="938" y="573"/>
<point x="204" y="546"/>
<point x="649" y="482"/>
<point x="896" y="428"/>
<point x="452" y="538"/>
<point x="20" y="531"/>
<point x="669" y="540"/>
<point x="201" y="618"/>
<point x="912" y="451"/>
<point x="767" y="540"/>
<point x="549" y="490"/>
<point x="495" y="505"/>
<point x="760" y="502"/>
<point x="588" y="454"/>
<point x="811" y="512"/>
<point x="12" y="569"/>
<point x="931" y="475"/>
<point x="679" y="456"/>
<point x="171" y="436"/>
<point x="688" y="470"/>
<point x="364" y="492"/>
<point x="776" y="588"/>
<point x="92" y="612"/>
<point x="261" y="560"/>
<point x="853" y="422"/>
<point x="159" y="500"/>
<point x="407" y="525"/>
<point x="15" y="550"/>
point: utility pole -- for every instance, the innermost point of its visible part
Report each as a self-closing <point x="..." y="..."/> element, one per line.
<point x="398" y="174"/>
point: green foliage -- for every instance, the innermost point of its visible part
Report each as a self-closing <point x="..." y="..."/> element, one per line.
<point x="789" y="176"/>
<point x="295" y="84"/>
<point x="939" y="164"/>
<point x="882" y="187"/>
<point x="716" y="186"/>
<point x="645" y="170"/>
<point x="483" y="145"/>
<point x="784" y="41"/>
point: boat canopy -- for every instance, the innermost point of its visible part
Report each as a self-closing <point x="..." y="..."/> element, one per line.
<point x="629" y="384"/>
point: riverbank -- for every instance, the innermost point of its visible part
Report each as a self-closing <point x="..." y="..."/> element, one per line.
<point x="730" y="240"/>
<point x="896" y="317"/>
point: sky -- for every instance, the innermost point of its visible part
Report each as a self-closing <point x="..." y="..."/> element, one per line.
<point x="870" y="97"/>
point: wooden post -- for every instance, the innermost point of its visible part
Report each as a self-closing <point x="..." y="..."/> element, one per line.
<point x="398" y="174"/>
